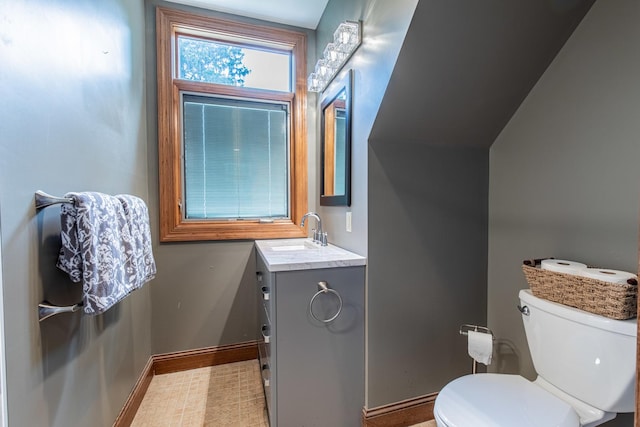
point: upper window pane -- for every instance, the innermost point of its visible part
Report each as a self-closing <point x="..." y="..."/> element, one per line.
<point x="228" y="64"/>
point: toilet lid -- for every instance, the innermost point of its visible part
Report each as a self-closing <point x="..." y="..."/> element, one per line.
<point x="498" y="400"/>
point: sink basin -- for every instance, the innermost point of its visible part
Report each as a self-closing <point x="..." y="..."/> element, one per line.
<point x="297" y="247"/>
<point x="289" y="248"/>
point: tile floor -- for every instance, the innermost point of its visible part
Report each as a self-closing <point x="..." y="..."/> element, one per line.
<point x="223" y="395"/>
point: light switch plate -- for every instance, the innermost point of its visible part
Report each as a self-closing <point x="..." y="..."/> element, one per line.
<point x="349" y="222"/>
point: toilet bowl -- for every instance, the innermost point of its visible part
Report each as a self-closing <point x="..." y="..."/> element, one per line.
<point x="504" y="400"/>
<point x="586" y="375"/>
<point x="484" y="400"/>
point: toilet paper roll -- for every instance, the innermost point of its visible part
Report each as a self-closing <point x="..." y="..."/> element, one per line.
<point x="562" y="266"/>
<point x="480" y="346"/>
<point x="609" y="276"/>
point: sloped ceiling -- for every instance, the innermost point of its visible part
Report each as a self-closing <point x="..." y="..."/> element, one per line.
<point x="290" y="12"/>
<point x="466" y="66"/>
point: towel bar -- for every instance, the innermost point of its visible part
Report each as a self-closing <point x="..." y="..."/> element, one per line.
<point x="46" y="310"/>
<point x="43" y="200"/>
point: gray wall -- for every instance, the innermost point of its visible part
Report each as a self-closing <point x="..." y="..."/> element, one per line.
<point x="467" y="65"/>
<point x="86" y="115"/>
<point x="204" y="292"/>
<point x="427" y="264"/>
<point x="564" y="177"/>
<point x="462" y="72"/>
<point x="384" y="27"/>
<point x="72" y="119"/>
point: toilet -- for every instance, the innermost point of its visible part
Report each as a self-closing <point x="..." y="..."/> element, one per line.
<point x="586" y="366"/>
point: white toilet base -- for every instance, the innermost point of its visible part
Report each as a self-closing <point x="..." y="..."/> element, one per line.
<point x="589" y="416"/>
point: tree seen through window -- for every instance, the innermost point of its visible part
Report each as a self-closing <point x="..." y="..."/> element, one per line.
<point x="206" y="61"/>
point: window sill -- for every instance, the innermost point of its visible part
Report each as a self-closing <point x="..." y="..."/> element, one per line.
<point x="231" y="230"/>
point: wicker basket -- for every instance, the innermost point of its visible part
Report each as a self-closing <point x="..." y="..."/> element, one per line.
<point x="611" y="300"/>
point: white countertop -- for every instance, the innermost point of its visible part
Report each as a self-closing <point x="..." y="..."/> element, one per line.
<point x="304" y="254"/>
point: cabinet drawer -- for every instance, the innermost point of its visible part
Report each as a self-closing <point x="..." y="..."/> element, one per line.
<point x="265" y="292"/>
<point x="266" y="312"/>
<point x="266" y="383"/>
<point x="265" y="333"/>
<point x="263" y="316"/>
<point x="264" y="354"/>
<point x="263" y="286"/>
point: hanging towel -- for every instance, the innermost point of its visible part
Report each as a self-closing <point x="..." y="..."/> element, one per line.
<point x="140" y="264"/>
<point x="95" y="238"/>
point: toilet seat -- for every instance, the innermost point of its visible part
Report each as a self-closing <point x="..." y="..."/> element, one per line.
<point x="499" y="400"/>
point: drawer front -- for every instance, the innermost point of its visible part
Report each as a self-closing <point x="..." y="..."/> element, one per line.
<point x="264" y="282"/>
<point x="264" y="289"/>
<point x="266" y="383"/>
<point x="265" y="333"/>
<point x="264" y="353"/>
<point x="264" y="336"/>
<point x="266" y="296"/>
<point x="264" y="340"/>
<point x="263" y="316"/>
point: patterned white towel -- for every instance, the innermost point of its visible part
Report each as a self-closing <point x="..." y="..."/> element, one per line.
<point x="140" y="265"/>
<point x="100" y="249"/>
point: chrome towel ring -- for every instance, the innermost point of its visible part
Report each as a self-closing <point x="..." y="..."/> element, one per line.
<point x="325" y="289"/>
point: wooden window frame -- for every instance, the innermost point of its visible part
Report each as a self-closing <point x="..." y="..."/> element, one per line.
<point x="173" y="226"/>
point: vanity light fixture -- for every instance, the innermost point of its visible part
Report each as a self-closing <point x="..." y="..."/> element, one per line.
<point x="346" y="39"/>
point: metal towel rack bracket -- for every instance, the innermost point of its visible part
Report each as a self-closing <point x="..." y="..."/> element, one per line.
<point x="43" y="200"/>
<point x="46" y="310"/>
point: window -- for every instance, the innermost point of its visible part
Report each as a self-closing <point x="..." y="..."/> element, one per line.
<point x="235" y="159"/>
<point x="231" y="129"/>
<point x="233" y="65"/>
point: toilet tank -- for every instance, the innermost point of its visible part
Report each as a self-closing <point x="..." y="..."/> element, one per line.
<point x="590" y="357"/>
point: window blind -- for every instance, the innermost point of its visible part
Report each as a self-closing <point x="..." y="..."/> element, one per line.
<point x="235" y="158"/>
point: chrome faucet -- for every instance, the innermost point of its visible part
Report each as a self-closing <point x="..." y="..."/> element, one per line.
<point x="318" y="235"/>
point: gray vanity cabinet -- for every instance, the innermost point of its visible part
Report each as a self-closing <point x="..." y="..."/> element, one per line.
<point x="313" y="372"/>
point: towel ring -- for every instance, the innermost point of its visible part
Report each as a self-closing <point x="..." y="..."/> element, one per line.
<point x="324" y="289"/>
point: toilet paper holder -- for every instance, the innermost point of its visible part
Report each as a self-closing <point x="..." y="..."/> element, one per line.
<point x="464" y="330"/>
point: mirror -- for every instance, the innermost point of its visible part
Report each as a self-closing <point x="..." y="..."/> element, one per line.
<point x="335" y="182"/>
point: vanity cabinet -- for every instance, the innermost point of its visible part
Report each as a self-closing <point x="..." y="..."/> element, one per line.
<point x="312" y="371"/>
